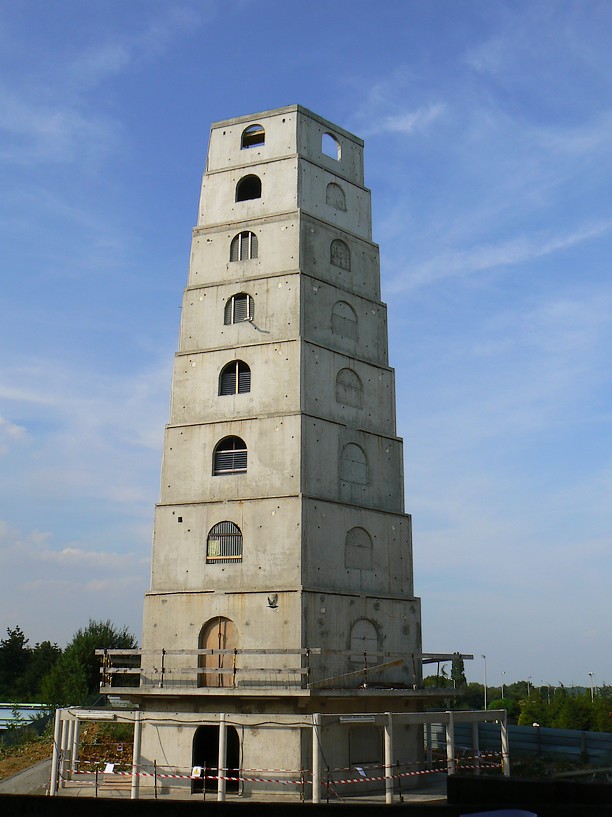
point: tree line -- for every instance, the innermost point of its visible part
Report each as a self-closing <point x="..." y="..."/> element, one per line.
<point x="557" y="707"/>
<point x="47" y="674"/>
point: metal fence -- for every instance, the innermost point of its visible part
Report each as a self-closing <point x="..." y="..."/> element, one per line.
<point x="530" y="741"/>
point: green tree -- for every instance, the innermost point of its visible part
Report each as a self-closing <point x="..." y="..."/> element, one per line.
<point x="458" y="671"/>
<point x="75" y="678"/>
<point x="43" y="658"/>
<point x="15" y="657"/>
<point x="511" y="705"/>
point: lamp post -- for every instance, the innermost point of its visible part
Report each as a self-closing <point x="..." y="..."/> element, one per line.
<point x="592" y="687"/>
<point x="502" y="685"/>
<point x="529" y="687"/>
<point x="484" y="658"/>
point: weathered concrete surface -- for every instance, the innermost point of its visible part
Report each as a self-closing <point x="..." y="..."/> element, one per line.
<point x="34" y="780"/>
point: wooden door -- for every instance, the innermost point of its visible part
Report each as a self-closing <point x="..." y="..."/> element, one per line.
<point x="218" y="634"/>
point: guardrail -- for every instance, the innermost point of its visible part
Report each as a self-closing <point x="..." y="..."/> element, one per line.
<point x="237" y="668"/>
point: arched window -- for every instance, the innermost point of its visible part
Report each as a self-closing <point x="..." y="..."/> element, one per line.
<point x="239" y="308"/>
<point x="344" y="320"/>
<point x="358" y="549"/>
<point x="235" y="378"/>
<point x="249" y="187"/>
<point x="230" y="457"/>
<point x="334" y="196"/>
<point x="353" y="465"/>
<point x="349" y="390"/>
<point x="331" y="147"/>
<point x="364" y="638"/>
<point x="339" y="254"/>
<point x="224" y="543"/>
<point x="253" y="136"/>
<point x="243" y="247"/>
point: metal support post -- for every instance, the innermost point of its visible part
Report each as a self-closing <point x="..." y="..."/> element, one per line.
<point x="389" y="759"/>
<point x="56" y="753"/>
<point x="316" y="758"/>
<point x="505" y="748"/>
<point x="64" y="762"/>
<point x="476" y="745"/>
<point x="428" y="740"/>
<point x="69" y="764"/>
<point x="450" y="744"/>
<point x="136" y="756"/>
<point x="222" y="761"/>
<point x="76" y="736"/>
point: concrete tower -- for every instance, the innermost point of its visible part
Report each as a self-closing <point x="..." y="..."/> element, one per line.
<point x="282" y="560"/>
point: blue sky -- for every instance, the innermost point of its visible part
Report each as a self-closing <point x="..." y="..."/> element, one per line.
<point x="488" y="139"/>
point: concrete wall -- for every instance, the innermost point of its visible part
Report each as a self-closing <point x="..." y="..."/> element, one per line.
<point x="271" y="533"/>
<point x="362" y="279"/>
<point x="367" y="339"/>
<point x="278" y="252"/>
<point x="382" y="489"/>
<point x="276" y="314"/>
<point x="327" y="562"/>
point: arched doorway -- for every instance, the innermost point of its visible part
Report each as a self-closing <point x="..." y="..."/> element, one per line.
<point x="205" y="753"/>
<point x="217" y="634"/>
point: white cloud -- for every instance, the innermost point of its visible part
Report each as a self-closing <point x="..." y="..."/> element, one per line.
<point x="10" y="433"/>
<point x="518" y="250"/>
<point x="409" y="122"/>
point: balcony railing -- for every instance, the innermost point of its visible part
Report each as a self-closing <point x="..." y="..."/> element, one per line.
<point x="255" y="668"/>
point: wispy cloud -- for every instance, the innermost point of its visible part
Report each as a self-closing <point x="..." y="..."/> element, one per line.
<point x="10" y="433"/>
<point x="490" y="257"/>
<point x="52" y="119"/>
<point x="408" y="122"/>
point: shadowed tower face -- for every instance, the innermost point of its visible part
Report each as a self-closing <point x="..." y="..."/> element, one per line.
<point x="281" y="524"/>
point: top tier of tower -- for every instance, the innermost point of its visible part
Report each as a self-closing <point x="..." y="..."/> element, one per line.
<point x="270" y="148"/>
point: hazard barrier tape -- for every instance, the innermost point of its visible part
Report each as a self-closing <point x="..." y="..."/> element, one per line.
<point x="442" y="761"/>
<point x="284" y="781"/>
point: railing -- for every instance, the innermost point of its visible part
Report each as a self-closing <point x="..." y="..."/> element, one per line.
<point x="308" y="668"/>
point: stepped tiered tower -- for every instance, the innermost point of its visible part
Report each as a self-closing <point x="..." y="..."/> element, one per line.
<point x="282" y="558"/>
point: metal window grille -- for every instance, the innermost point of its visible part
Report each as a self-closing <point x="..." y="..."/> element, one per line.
<point x="224" y="543"/>
<point x="339" y="254"/>
<point x="244" y="247"/>
<point x="239" y="308"/>
<point x="235" y="378"/>
<point x="230" y="457"/>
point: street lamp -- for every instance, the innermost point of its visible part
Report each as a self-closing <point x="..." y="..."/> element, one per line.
<point x="484" y="658"/>
<point x="592" y="687"/>
<point x="529" y="687"/>
<point x="503" y="674"/>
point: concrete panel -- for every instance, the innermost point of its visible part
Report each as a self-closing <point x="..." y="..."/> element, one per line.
<point x="366" y="339"/>
<point x="372" y="405"/>
<point x="357" y="215"/>
<point x="271" y="553"/>
<point x="329" y="619"/>
<point x="362" y="279"/>
<point x="325" y="563"/>
<point x="273" y="467"/>
<point x="277" y="251"/>
<point x="276" y="314"/>
<point x="179" y="618"/>
<point x="383" y="485"/>
<point x="226" y="139"/>
<point x="275" y="373"/>
<point x="349" y="164"/>
<point x="218" y="203"/>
